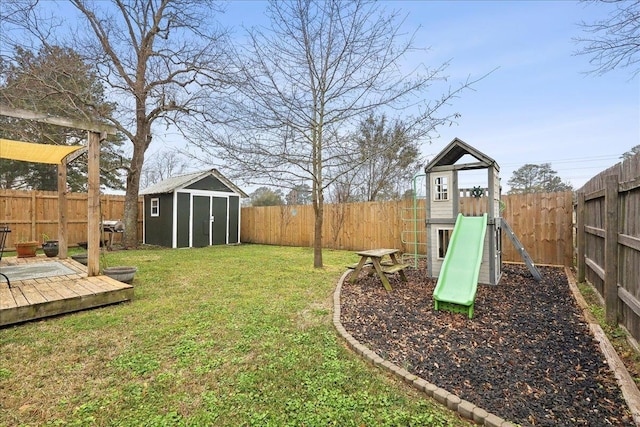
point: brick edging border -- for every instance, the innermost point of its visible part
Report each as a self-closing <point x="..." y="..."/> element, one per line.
<point x="467" y="409"/>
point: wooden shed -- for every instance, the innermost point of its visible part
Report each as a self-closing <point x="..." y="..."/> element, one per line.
<point x="193" y="210"/>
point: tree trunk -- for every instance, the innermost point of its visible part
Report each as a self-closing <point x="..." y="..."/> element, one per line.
<point x="318" y="208"/>
<point x="131" y="213"/>
<point x="130" y="220"/>
<point x="317" y="236"/>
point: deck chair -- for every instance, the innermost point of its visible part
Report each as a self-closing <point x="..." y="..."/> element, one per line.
<point x="4" y="230"/>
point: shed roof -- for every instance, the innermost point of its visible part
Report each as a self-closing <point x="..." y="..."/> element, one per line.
<point x="455" y="151"/>
<point x="181" y="181"/>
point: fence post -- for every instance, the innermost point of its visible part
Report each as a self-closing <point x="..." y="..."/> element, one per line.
<point x="580" y="239"/>
<point x="611" y="250"/>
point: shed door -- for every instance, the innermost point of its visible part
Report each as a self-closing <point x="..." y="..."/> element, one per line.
<point x="183" y="231"/>
<point x="219" y="221"/>
<point x="200" y="225"/>
<point x="234" y="218"/>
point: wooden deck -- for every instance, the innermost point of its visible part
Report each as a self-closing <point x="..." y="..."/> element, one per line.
<point x="36" y="298"/>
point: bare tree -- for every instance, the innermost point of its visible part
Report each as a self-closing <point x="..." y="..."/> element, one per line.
<point x="614" y="42"/>
<point x="161" y="61"/>
<point x="309" y="79"/>
<point x="161" y="166"/>
<point x="378" y="177"/>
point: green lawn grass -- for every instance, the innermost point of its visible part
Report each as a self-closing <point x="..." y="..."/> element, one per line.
<point x="224" y="336"/>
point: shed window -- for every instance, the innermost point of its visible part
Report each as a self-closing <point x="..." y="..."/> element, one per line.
<point x="155" y="207"/>
<point x="444" y="236"/>
<point x="441" y="188"/>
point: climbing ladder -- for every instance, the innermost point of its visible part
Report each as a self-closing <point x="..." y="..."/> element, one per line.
<point x="413" y="221"/>
<point x="523" y="253"/>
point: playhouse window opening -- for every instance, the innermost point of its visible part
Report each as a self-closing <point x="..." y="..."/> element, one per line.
<point x="444" y="236"/>
<point x="441" y="187"/>
<point x="155" y="207"/>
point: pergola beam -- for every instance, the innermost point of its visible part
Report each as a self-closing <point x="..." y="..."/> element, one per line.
<point x="59" y="121"/>
<point x="95" y="134"/>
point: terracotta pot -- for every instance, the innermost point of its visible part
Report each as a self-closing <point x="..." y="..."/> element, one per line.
<point x="26" y="249"/>
<point x="122" y="274"/>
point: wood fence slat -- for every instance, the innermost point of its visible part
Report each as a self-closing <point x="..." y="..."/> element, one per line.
<point x="611" y="250"/>
<point x="543" y="223"/>
<point x="595" y="231"/>
<point x="598" y="194"/>
<point x="630" y="185"/>
<point x="595" y="267"/>
<point x="629" y="241"/>
<point x="29" y="214"/>
<point x="612" y="240"/>
<point x="629" y="300"/>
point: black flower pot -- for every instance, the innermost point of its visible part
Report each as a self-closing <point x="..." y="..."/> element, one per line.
<point x="50" y="248"/>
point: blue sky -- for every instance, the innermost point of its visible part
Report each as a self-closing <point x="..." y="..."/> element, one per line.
<point x="538" y="106"/>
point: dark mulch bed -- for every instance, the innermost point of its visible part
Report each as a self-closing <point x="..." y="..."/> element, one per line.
<point x="527" y="355"/>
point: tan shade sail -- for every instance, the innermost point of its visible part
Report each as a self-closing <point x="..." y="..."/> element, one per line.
<point x="36" y="153"/>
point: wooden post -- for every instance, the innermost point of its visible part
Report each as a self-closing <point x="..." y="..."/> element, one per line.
<point x="580" y="239"/>
<point x="611" y="250"/>
<point x="93" y="205"/>
<point x="33" y="233"/>
<point x="62" y="210"/>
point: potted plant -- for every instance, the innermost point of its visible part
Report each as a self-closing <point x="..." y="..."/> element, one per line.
<point x="26" y="248"/>
<point x="50" y="247"/>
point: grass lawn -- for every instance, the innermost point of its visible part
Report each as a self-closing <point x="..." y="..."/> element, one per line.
<point x="224" y="336"/>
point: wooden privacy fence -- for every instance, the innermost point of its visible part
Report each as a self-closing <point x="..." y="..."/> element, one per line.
<point x="608" y="241"/>
<point x="30" y="214"/>
<point x="543" y="222"/>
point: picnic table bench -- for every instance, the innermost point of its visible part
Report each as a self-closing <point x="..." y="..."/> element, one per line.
<point x="372" y="259"/>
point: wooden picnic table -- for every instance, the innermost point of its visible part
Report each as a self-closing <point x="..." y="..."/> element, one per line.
<point x="381" y="267"/>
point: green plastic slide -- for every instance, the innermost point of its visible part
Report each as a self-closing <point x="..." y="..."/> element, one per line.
<point x="458" y="279"/>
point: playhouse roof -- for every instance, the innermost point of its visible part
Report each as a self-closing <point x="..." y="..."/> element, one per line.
<point x="454" y="152"/>
<point x="181" y="181"/>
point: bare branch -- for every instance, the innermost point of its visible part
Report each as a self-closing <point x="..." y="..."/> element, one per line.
<point x="614" y="42"/>
<point x="308" y="81"/>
